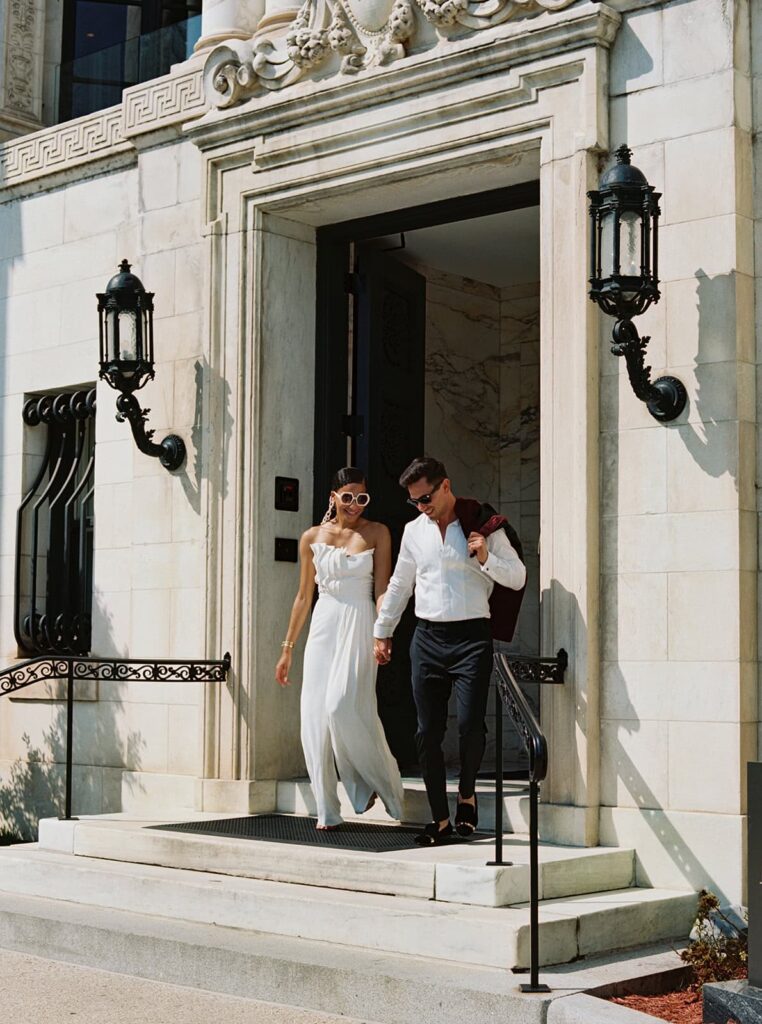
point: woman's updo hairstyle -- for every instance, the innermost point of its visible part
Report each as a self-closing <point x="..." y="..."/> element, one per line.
<point x="347" y="475"/>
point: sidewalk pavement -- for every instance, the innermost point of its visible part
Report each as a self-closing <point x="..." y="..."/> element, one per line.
<point x="37" y="991"/>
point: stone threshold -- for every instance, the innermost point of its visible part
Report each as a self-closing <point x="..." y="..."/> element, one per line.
<point x="456" y="873"/>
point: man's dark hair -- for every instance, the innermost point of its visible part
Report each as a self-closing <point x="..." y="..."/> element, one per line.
<point x="423" y="468"/>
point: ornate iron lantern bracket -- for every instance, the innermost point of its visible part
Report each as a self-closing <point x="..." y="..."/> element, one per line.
<point x="125" y="312"/>
<point x="624" y="280"/>
<point x="665" y="397"/>
<point x="171" y="451"/>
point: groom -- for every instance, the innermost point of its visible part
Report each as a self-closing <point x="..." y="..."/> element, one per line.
<point x="453" y="568"/>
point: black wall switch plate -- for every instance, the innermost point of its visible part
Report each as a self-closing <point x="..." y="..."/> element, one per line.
<point x="287" y="494"/>
<point x="286" y="549"/>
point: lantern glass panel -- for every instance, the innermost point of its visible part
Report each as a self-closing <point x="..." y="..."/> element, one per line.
<point x="607" y="244"/>
<point x="129" y="334"/>
<point x="109" y="318"/>
<point x="629" y="252"/>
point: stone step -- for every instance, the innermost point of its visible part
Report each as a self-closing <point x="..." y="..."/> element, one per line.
<point x="481" y="936"/>
<point x="294" y="796"/>
<point x="455" y="873"/>
<point x="367" y="985"/>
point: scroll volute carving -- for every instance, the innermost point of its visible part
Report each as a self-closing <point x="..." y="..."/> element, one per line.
<point x="351" y="35"/>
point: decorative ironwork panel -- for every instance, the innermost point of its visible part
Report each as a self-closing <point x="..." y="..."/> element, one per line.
<point x="29" y="672"/>
<point x="153" y="671"/>
<point x="54" y="529"/>
<point x="38" y="670"/>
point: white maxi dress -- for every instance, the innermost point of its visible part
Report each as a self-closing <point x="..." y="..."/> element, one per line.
<point x="341" y="729"/>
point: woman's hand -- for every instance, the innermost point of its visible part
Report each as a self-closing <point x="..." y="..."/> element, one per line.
<point x="382" y="649"/>
<point x="283" y="667"/>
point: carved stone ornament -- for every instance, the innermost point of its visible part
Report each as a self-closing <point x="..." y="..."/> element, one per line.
<point x="344" y="36"/>
<point x="24" y="27"/>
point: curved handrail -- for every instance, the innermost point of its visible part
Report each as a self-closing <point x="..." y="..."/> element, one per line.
<point x="524" y="718"/>
<point x="509" y="670"/>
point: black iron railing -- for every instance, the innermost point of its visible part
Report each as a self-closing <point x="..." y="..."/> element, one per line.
<point x="510" y="672"/>
<point x="156" y="670"/>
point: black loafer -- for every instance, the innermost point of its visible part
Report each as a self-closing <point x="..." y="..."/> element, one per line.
<point x="466" y="819"/>
<point x="433" y="835"/>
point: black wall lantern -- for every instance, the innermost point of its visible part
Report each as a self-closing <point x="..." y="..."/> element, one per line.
<point x="624" y="274"/>
<point x="125" y="314"/>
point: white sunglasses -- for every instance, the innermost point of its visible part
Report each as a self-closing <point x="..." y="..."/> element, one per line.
<point x="346" y="498"/>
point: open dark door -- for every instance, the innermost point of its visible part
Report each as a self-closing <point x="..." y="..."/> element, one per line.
<point x="389" y="401"/>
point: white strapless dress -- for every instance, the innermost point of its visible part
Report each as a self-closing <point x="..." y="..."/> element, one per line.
<point x="341" y="729"/>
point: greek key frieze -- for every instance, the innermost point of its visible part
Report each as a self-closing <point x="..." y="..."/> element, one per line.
<point x="54" y="149"/>
<point x="173" y="98"/>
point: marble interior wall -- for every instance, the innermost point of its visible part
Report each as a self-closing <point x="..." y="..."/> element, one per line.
<point x="482" y="421"/>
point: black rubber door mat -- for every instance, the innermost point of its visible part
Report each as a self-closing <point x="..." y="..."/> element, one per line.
<point x="291" y="828"/>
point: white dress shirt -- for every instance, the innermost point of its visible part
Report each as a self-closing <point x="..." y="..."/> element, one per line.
<point x="449" y="585"/>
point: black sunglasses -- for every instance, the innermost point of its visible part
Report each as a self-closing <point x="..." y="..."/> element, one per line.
<point x="425" y="499"/>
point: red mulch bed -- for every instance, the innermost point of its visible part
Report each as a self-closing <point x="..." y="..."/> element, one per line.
<point x="681" y="1006"/>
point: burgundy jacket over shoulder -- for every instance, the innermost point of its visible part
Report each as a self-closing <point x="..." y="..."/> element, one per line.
<point x="504" y="603"/>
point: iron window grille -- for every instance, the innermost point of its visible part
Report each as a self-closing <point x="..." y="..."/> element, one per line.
<point x="54" y="529"/>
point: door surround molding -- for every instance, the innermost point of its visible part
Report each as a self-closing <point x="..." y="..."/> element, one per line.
<point x="262" y="221"/>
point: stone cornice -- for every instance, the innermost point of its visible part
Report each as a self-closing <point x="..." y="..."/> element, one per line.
<point x="507" y="47"/>
<point x="163" y="104"/>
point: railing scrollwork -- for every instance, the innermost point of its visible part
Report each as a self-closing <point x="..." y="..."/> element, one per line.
<point x="157" y="670"/>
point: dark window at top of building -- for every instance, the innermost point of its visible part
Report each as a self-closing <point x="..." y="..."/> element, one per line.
<point x="108" y="45"/>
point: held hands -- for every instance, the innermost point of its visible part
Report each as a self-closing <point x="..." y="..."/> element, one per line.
<point x="382" y="649"/>
<point x="283" y="668"/>
<point x="477" y="545"/>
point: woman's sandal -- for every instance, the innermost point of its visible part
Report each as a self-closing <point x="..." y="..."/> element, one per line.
<point x="326" y="828"/>
<point x="466" y="818"/>
<point x="433" y="835"/>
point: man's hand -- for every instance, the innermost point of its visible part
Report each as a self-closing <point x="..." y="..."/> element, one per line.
<point x="382" y="649"/>
<point x="477" y="545"/>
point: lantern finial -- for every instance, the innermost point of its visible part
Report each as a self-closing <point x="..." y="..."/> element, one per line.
<point x="623" y="154"/>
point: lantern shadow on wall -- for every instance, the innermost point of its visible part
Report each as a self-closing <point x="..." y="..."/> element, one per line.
<point x="125" y="314"/>
<point x="624" y="275"/>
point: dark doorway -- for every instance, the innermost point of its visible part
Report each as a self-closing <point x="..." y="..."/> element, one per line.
<point x="370" y="382"/>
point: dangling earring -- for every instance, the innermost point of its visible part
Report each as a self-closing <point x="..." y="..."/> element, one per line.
<point x="330" y="512"/>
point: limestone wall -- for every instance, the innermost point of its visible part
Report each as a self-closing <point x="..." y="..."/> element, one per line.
<point x="678" y="503"/>
<point x="59" y="247"/>
<point x="658" y="723"/>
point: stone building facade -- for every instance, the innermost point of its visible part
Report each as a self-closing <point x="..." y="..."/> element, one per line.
<point x="298" y="137"/>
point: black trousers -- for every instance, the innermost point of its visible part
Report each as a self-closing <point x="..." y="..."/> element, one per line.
<point x="443" y="654"/>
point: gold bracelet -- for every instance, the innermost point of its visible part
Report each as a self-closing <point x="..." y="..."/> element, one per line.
<point x="287" y="643"/>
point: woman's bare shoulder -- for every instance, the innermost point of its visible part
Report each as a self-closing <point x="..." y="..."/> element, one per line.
<point x="310" y="535"/>
<point x="377" y="533"/>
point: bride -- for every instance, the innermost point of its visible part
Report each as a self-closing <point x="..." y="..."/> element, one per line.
<point x="348" y="556"/>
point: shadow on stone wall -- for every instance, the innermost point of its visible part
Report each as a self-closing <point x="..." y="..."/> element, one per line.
<point x="708" y="442"/>
<point x="647" y="802"/>
<point x="206" y="464"/>
<point x="32" y="785"/>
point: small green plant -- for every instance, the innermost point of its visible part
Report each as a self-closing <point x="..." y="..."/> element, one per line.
<point x="714" y="955"/>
